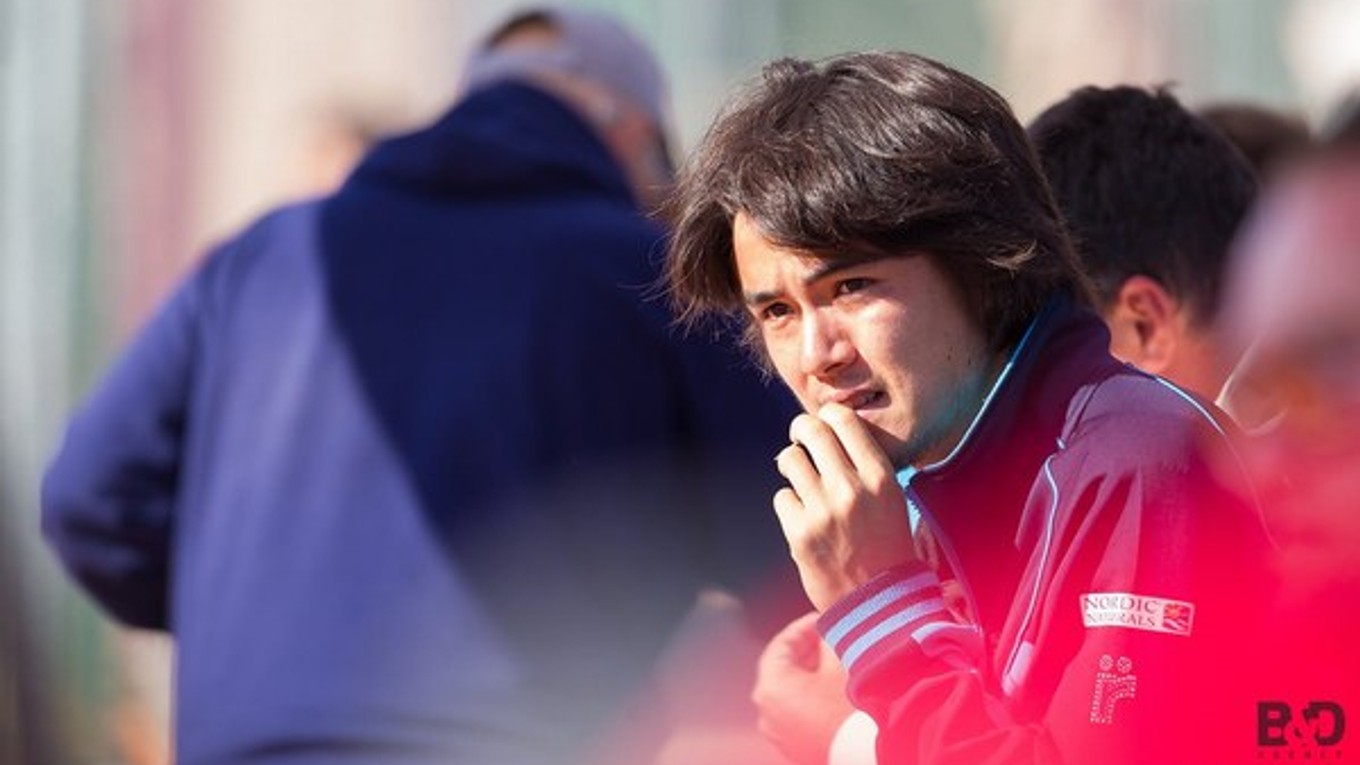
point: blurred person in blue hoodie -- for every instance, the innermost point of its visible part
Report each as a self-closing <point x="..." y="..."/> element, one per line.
<point x="418" y="472"/>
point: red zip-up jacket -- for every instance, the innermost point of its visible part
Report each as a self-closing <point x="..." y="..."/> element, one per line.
<point x="1088" y="577"/>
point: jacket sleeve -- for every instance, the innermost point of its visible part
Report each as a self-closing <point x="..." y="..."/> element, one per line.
<point x="1126" y="654"/>
<point x="108" y="497"/>
<point x="919" y="674"/>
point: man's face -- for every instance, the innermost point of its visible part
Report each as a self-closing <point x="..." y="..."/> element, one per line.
<point x="889" y="338"/>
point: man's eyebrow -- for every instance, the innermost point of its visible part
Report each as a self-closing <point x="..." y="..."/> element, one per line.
<point x="753" y="299"/>
<point x="825" y="268"/>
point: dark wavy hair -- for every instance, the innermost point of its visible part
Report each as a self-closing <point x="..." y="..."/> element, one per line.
<point x="873" y="154"/>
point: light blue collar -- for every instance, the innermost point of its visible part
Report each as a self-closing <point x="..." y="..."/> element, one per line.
<point x="904" y="477"/>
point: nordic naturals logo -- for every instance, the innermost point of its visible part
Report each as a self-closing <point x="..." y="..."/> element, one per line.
<point x="1139" y="612"/>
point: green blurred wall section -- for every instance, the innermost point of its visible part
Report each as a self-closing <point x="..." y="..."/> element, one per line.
<point x="54" y="677"/>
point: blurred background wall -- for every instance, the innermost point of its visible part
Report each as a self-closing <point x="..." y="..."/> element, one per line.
<point x="134" y="133"/>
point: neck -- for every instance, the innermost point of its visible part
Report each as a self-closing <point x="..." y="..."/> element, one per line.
<point x="968" y="408"/>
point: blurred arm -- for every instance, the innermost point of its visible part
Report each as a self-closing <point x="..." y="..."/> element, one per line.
<point x="108" y="496"/>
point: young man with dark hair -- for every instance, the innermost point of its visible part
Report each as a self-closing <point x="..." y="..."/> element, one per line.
<point x="1152" y="196"/>
<point x="1015" y="541"/>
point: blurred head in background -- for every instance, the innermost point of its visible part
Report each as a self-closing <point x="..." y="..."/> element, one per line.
<point x="1268" y="138"/>
<point x="1295" y="295"/>
<point x="1152" y="196"/>
<point x="603" y="71"/>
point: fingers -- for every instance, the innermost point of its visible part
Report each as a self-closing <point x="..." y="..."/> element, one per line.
<point x="796" y="465"/>
<point x="856" y="442"/>
<point x="822" y="444"/>
<point x="842" y="513"/>
<point x="815" y="464"/>
<point x="788" y="508"/>
<point x="833" y="456"/>
<point x="800" y="707"/>
<point x="838" y="445"/>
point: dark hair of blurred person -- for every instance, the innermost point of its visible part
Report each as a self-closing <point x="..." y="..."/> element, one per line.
<point x="1341" y="127"/>
<point x="1152" y="196"/>
<point x="1269" y="138"/>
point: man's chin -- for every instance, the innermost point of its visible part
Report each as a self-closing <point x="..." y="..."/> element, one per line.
<point x="897" y="449"/>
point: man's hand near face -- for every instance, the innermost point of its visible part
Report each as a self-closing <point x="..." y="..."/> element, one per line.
<point x="843" y="513"/>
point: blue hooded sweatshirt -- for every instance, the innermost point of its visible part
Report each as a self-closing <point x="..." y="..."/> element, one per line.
<point x="421" y="472"/>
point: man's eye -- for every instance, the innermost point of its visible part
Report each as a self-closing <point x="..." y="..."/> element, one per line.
<point x="774" y="311"/>
<point x="848" y="286"/>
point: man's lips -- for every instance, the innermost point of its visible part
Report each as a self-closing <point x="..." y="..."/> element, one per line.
<point x="860" y="399"/>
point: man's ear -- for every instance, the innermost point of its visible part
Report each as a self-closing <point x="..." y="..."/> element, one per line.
<point x="1144" y="324"/>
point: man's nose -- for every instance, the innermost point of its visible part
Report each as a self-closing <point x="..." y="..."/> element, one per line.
<point x="825" y="346"/>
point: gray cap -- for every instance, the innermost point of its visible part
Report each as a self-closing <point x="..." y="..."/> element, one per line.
<point x="590" y="44"/>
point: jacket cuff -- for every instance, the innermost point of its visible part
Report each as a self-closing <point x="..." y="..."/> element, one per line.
<point x="898" y="615"/>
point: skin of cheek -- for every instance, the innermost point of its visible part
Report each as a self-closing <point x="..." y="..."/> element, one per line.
<point x="937" y="377"/>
